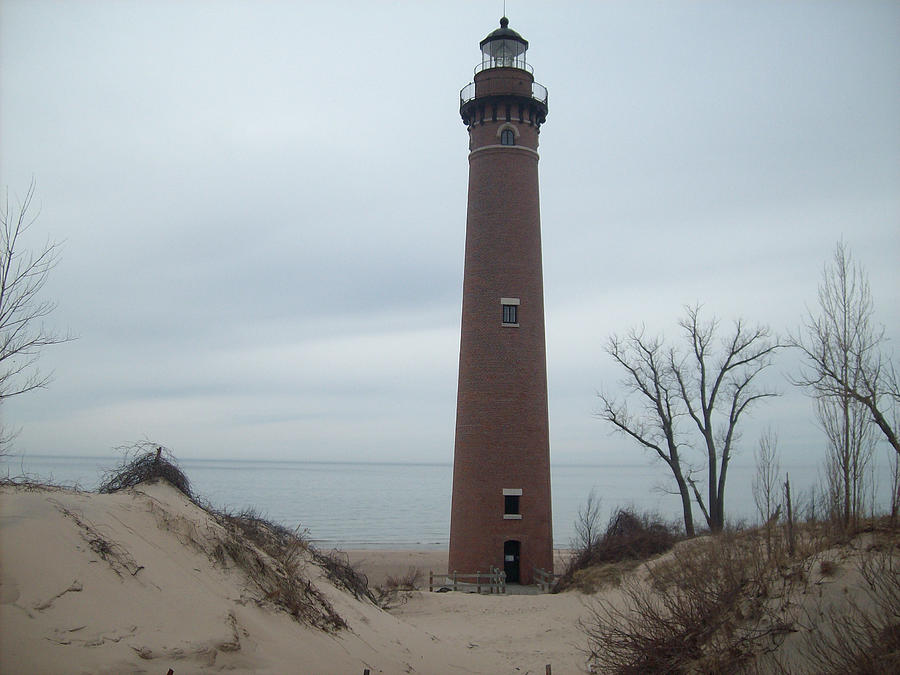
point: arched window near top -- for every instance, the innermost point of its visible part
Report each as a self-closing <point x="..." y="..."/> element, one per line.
<point x="507" y="137"/>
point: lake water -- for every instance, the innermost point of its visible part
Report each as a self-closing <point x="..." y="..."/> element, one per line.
<point x="406" y="506"/>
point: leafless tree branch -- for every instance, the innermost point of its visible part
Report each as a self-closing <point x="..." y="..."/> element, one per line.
<point x="845" y="350"/>
<point x="711" y="383"/>
<point x="23" y="274"/>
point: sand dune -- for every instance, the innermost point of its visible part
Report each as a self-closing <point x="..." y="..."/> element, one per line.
<point x="137" y="582"/>
<point x="124" y="583"/>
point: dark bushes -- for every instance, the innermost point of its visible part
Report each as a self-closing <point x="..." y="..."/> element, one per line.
<point x="145" y="461"/>
<point x="629" y="536"/>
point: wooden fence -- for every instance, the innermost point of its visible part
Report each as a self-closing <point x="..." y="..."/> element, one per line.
<point x="543" y="579"/>
<point x="493" y="581"/>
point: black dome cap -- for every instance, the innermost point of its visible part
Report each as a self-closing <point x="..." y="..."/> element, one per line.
<point x="504" y="33"/>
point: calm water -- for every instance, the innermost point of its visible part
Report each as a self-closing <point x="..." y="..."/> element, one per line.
<point x="370" y="505"/>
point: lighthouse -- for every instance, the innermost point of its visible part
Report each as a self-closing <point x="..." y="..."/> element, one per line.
<point x="500" y="513"/>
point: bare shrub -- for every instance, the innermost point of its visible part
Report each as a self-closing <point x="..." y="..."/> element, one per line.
<point x="629" y="536"/>
<point x="707" y="609"/>
<point x="411" y="581"/>
<point x="861" y="639"/>
<point x="396" y="590"/>
<point x="141" y="462"/>
<point x="274" y="559"/>
<point x="339" y="570"/>
<point x="30" y="483"/>
<point x="273" y="538"/>
<point x="828" y="568"/>
<point x="588" y="529"/>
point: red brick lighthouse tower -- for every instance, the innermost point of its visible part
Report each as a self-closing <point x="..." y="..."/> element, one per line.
<point x="500" y="515"/>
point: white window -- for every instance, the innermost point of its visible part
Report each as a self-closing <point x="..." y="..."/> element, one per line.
<point x="510" y="314"/>
<point x="511" y="503"/>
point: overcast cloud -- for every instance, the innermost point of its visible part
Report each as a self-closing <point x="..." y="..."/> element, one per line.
<point x="263" y="205"/>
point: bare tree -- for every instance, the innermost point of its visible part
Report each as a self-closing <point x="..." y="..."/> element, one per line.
<point x="649" y="377"/>
<point x="766" y="484"/>
<point x="845" y="350"/>
<point x="716" y="383"/>
<point x="711" y="383"/>
<point x="23" y="273"/>
<point x="588" y="526"/>
<point x="894" y="464"/>
<point x="850" y="444"/>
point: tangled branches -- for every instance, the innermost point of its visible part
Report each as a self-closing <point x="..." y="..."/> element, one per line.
<point x="145" y="461"/>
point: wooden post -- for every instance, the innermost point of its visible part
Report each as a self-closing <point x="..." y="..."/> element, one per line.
<point x="547" y="669"/>
<point x="454" y="580"/>
<point x="430" y="581"/>
<point x="478" y="581"/>
<point x="790" y="513"/>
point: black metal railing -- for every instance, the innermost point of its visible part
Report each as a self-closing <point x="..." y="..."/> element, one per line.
<point x="504" y="62"/>
<point x="538" y="93"/>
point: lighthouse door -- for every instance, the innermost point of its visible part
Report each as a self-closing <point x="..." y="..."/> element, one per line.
<point x="511" y="561"/>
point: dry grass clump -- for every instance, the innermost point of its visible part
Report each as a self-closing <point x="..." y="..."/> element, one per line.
<point x="32" y="483"/>
<point x="275" y="560"/>
<point x="337" y="567"/>
<point x="629" y="536"/>
<point x="142" y="462"/>
<point x="397" y="590"/>
<point x="119" y="560"/>
<point x="597" y="577"/>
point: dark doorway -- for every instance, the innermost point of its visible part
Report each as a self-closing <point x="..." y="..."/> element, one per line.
<point x="511" y="561"/>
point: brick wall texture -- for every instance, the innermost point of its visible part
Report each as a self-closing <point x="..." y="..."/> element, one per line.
<point x="502" y="434"/>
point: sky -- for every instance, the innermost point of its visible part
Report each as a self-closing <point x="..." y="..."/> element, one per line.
<point x="262" y="207"/>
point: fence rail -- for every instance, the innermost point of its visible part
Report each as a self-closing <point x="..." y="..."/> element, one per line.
<point x="544" y="579"/>
<point x="493" y="581"/>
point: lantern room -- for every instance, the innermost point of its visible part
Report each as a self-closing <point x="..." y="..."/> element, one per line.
<point x="504" y="48"/>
